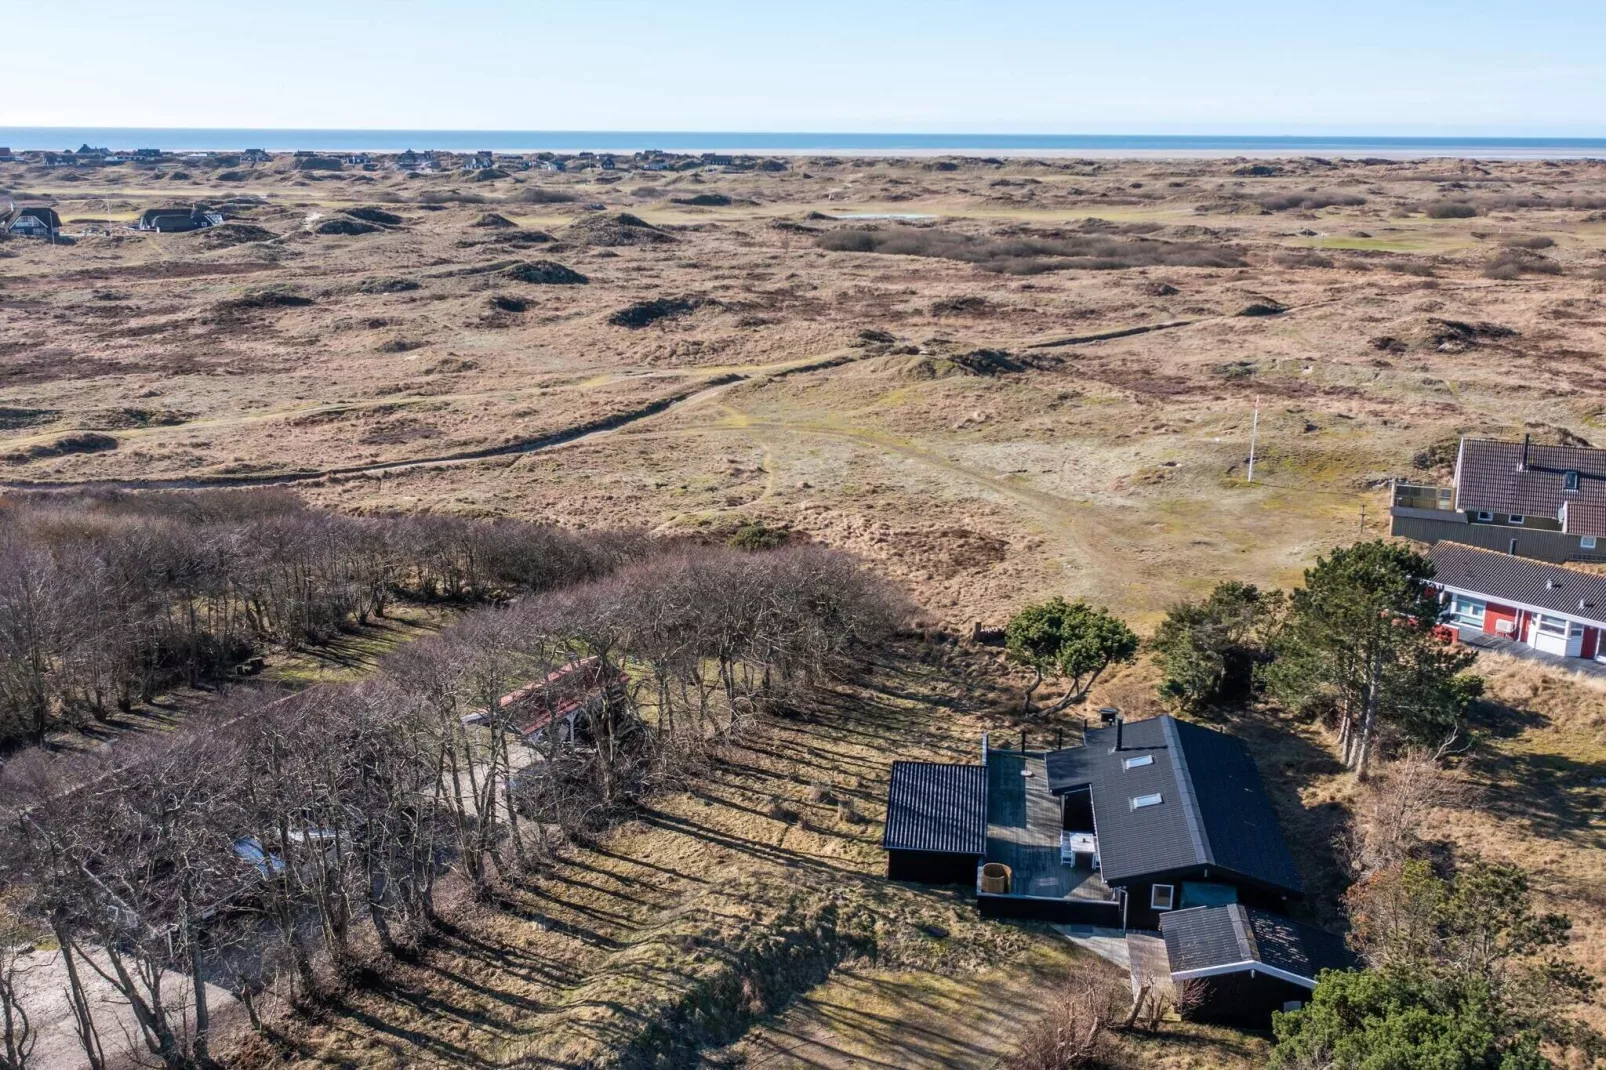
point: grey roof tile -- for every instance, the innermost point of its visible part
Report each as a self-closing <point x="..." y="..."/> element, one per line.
<point x="1504" y="578"/>
<point x="1213" y="811"/>
<point x="1203" y="938"/>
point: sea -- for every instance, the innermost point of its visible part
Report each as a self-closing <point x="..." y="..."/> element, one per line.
<point x="626" y="141"/>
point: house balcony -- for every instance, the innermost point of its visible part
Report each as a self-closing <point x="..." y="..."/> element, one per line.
<point x="1415" y="499"/>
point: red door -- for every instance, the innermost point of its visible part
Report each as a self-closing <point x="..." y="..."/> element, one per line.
<point x="1591" y="643"/>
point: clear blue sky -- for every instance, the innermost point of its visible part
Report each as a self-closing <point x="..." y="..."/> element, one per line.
<point x="1157" y="66"/>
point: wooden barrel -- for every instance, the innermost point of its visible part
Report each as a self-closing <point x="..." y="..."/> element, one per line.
<point x="995" y="878"/>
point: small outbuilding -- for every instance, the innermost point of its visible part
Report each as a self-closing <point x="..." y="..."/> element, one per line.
<point x="936" y="822"/>
<point x="1235" y="964"/>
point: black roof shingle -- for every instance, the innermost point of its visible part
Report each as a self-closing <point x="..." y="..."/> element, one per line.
<point x="1505" y="578"/>
<point x="1492" y="476"/>
<point x="937" y="807"/>
<point x="1213" y="810"/>
<point x="1211" y="938"/>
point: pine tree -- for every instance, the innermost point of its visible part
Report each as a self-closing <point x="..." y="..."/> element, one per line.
<point x="1360" y="639"/>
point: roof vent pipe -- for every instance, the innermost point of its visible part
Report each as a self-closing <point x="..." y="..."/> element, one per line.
<point x="1524" y="466"/>
<point x="1552" y="585"/>
<point x="1118" y="724"/>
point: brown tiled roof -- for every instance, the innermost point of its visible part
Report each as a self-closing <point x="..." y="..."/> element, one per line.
<point x="1504" y="578"/>
<point x="1584" y="518"/>
<point x="1490" y="475"/>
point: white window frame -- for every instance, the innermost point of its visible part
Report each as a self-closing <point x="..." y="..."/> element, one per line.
<point x="1516" y="519"/>
<point x="1462" y="608"/>
<point x="1140" y="802"/>
<point x="1170" y="897"/>
<point x="1485" y="516"/>
<point x="1547" y="625"/>
<point x="1586" y="542"/>
<point x="1139" y="761"/>
<point x="1569" y="480"/>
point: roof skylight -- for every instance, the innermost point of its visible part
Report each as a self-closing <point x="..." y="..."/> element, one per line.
<point x="1140" y="801"/>
<point x="1140" y="760"/>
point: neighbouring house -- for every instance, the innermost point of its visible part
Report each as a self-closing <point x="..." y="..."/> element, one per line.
<point x="176" y="220"/>
<point x="147" y="154"/>
<point x="483" y="160"/>
<point x="255" y="156"/>
<point x="1551" y="608"/>
<point x="551" y="165"/>
<point x="1146" y="820"/>
<point x="31" y="222"/>
<point x="1544" y="502"/>
<point x="549" y="710"/>
<point x="1235" y="964"/>
<point x="5" y="154"/>
<point x="355" y="159"/>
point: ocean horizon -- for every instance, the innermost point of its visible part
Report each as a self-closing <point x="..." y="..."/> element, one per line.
<point x="177" y="139"/>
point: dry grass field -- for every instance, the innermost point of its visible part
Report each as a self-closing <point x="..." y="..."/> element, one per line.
<point x="792" y="378"/>
<point x="1040" y="379"/>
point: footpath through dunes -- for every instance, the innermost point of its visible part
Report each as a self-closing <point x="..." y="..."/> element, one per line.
<point x="708" y="382"/>
<point x="718" y="905"/>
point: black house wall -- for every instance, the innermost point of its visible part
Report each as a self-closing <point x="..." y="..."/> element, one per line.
<point x="932" y="867"/>
<point x="1239" y="998"/>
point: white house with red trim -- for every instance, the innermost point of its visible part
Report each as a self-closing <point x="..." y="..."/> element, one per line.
<point x="1551" y="608"/>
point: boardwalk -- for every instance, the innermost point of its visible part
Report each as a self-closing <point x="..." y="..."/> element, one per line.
<point x="1151" y="966"/>
<point x="1511" y="648"/>
<point x="1023" y="831"/>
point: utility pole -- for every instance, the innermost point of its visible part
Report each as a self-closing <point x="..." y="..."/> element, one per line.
<point x="1254" y="431"/>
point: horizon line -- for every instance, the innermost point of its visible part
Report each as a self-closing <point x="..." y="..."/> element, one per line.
<point x="822" y="132"/>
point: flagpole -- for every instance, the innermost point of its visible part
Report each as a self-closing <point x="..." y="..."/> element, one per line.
<point x="1254" y="431"/>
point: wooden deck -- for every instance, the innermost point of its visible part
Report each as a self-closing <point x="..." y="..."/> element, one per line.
<point x="1023" y="831"/>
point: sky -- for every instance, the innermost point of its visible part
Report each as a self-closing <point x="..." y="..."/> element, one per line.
<point x="1406" y="67"/>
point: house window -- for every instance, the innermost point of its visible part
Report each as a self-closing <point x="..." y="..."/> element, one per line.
<point x="1161" y="896"/>
<point x="1586" y="542"/>
<point x="1467" y="610"/>
<point x="1141" y="801"/>
<point x="1485" y="517"/>
<point x="1552" y="625"/>
<point x="1515" y="519"/>
<point x="1569" y="481"/>
<point x="1140" y="760"/>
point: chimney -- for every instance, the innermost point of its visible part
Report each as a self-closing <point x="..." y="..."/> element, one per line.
<point x="1118" y="723"/>
<point x="1552" y="585"/>
<point x="1523" y="467"/>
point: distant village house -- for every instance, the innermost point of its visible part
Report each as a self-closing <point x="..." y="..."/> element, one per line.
<point x="176" y="220"/>
<point x="31" y="222"/>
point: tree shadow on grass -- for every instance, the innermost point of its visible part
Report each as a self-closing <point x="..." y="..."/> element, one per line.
<point x="1292" y="758"/>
